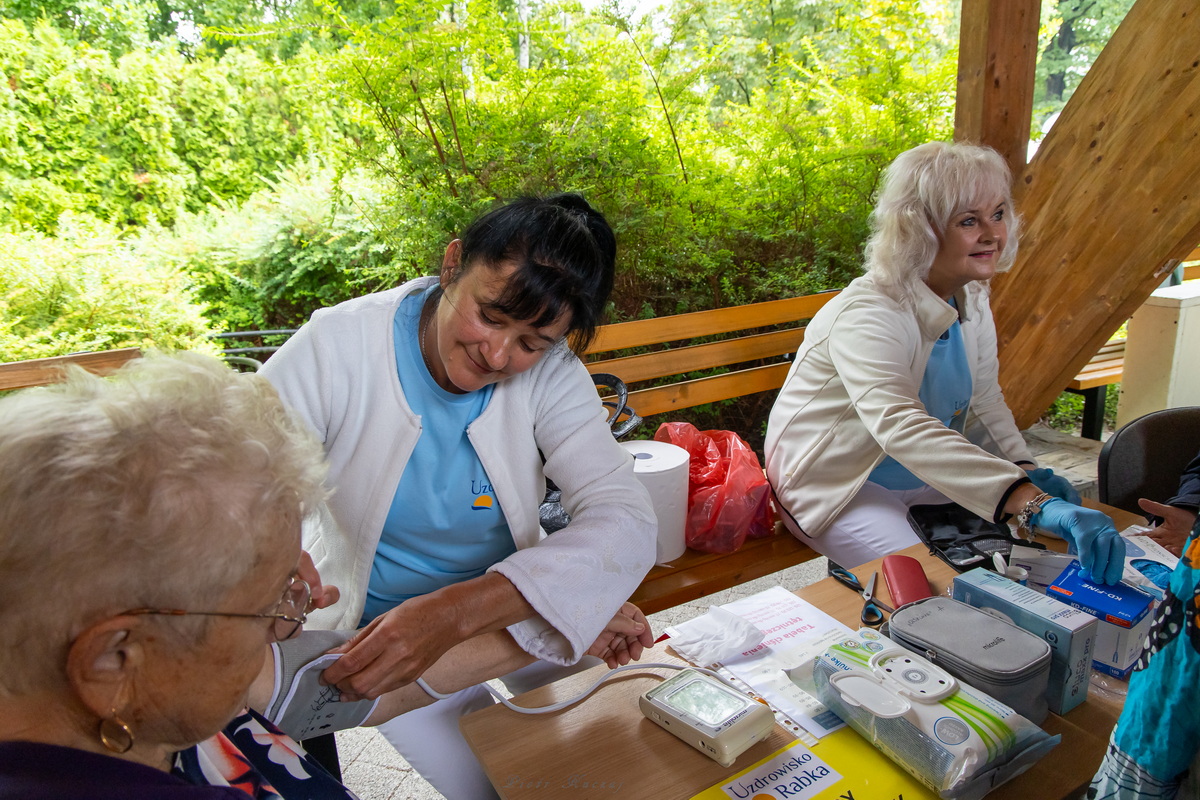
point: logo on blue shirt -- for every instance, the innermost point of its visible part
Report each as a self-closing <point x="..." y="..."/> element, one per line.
<point x="483" y="500"/>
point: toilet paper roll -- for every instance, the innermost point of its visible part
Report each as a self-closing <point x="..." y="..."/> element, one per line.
<point x="663" y="470"/>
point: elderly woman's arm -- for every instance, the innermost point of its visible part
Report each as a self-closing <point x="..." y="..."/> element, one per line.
<point x="464" y="665"/>
<point x="476" y="660"/>
<point x="400" y="645"/>
<point x="495" y="654"/>
<point x="467" y="664"/>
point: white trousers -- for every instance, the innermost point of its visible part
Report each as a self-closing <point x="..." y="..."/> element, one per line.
<point x="431" y="742"/>
<point x="872" y="525"/>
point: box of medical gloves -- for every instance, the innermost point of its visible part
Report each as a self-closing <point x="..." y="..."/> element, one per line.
<point x="1123" y="613"/>
<point x="1071" y="633"/>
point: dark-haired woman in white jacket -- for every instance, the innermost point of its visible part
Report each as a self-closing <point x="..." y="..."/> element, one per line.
<point x="443" y="406"/>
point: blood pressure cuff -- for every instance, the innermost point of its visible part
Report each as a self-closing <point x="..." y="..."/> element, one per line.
<point x="300" y="706"/>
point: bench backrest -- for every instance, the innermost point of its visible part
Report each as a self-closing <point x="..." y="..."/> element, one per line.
<point x="42" y="371"/>
<point x="671" y="357"/>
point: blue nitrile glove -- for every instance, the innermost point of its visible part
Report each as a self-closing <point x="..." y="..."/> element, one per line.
<point x="1053" y="485"/>
<point x="1090" y="533"/>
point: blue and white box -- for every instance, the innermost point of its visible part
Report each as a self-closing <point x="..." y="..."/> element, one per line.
<point x="1148" y="565"/>
<point x="1123" y="612"/>
<point x="1071" y="633"/>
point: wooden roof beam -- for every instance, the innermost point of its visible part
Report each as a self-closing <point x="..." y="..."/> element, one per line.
<point x="997" y="59"/>
<point x="1111" y="203"/>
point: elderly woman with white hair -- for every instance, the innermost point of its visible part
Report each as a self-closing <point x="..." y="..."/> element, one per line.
<point x="153" y="583"/>
<point x="893" y="399"/>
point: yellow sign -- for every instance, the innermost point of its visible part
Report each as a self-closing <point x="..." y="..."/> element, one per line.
<point x="842" y="766"/>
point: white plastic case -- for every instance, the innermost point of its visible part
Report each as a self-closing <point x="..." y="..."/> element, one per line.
<point x="714" y="718"/>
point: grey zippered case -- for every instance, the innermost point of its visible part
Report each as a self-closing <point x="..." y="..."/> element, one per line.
<point x="990" y="654"/>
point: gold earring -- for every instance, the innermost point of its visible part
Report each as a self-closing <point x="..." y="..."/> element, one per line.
<point x="115" y="735"/>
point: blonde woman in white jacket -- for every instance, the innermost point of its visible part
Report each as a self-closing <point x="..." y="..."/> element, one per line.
<point x="893" y="399"/>
<point x="443" y="405"/>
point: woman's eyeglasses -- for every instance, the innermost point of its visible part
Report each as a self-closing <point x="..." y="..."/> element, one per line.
<point x="289" y="614"/>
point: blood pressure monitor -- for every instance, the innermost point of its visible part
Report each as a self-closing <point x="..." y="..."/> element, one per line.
<point x="714" y="718"/>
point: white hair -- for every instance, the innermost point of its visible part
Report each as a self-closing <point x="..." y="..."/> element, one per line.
<point x="922" y="190"/>
<point x="162" y="486"/>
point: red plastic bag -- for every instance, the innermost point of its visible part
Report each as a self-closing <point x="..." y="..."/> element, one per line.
<point x="729" y="499"/>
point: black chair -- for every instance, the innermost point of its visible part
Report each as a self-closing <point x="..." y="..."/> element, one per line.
<point x="1146" y="457"/>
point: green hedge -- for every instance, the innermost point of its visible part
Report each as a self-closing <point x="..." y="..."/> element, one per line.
<point x="140" y="138"/>
<point x="87" y="289"/>
<point x="715" y="202"/>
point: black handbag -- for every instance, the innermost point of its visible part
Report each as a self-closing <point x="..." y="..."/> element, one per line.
<point x="961" y="538"/>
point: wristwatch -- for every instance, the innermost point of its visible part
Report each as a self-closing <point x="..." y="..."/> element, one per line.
<point x="1025" y="515"/>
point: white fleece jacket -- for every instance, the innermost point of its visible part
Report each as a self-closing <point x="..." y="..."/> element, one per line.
<point x="339" y="373"/>
<point x="851" y="397"/>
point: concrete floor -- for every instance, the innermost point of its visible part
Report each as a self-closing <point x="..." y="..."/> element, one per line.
<point x="373" y="769"/>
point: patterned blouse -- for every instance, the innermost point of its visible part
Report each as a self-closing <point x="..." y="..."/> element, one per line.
<point x="253" y="755"/>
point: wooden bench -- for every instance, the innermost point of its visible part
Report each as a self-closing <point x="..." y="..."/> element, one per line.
<point x="42" y="371"/>
<point x="656" y="372"/>
<point x="1093" y="381"/>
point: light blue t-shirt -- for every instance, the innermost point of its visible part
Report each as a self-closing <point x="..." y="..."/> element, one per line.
<point x="445" y="524"/>
<point x="945" y="391"/>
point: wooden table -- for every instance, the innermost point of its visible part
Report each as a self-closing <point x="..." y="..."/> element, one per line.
<point x="604" y="747"/>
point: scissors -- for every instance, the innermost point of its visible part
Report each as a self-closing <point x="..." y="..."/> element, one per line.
<point x="873" y="609"/>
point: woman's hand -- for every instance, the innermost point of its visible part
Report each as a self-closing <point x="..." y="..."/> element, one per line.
<point x="1176" y="524"/>
<point x="624" y="638"/>
<point x="1091" y="534"/>
<point x="1053" y="485"/>
<point x="394" y="650"/>
<point x="323" y="595"/>
<point x="397" y="647"/>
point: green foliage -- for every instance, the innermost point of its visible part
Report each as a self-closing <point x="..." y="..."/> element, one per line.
<point x="724" y="186"/>
<point x="1066" y="412"/>
<point x="272" y="28"/>
<point x="86" y="289"/>
<point x="142" y="137"/>
<point x="1073" y="32"/>
<point x="304" y="243"/>
<point x="115" y="26"/>
<point x="718" y="196"/>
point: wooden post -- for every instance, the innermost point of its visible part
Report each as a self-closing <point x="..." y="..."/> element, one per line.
<point x="997" y="57"/>
<point x="1111" y="203"/>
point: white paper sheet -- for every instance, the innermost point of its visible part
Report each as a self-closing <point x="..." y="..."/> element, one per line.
<point x="780" y="669"/>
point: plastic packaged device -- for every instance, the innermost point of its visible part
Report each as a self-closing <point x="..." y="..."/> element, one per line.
<point x="956" y="740"/>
